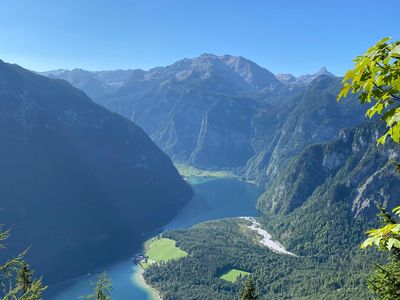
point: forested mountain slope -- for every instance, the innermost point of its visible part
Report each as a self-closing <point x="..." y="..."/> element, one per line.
<point x="331" y="189"/>
<point x="77" y="181"/>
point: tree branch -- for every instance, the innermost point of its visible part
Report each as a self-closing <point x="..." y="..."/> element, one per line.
<point x="394" y="97"/>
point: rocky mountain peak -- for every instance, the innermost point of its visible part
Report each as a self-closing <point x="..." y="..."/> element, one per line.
<point x="289" y="79"/>
<point x="252" y="73"/>
<point x="324" y="71"/>
<point x="306" y="79"/>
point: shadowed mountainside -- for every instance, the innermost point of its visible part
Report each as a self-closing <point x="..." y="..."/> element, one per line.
<point x="78" y="183"/>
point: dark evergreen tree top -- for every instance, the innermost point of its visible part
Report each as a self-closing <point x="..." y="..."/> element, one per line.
<point x="249" y="291"/>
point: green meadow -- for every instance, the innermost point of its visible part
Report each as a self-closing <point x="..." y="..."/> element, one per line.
<point x="233" y="274"/>
<point x="163" y="249"/>
<point x="191" y="171"/>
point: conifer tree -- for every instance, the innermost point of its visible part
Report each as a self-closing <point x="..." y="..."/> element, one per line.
<point x="16" y="280"/>
<point x="24" y="280"/>
<point x="102" y="288"/>
<point x="249" y="290"/>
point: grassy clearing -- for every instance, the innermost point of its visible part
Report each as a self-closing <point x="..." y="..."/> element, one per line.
<point x="191" y="171"/>
<point x="161" y="250"/>
<point x="233" y="275"/>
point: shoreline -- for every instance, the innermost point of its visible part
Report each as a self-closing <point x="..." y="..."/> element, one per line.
<point x="141" y="282"/>
<point x="187" y="171"/>
<point x="190" y="173"/>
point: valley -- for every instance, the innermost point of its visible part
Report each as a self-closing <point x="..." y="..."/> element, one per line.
<point x="214" y="198"/>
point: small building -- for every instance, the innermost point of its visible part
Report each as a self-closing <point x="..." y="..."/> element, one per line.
<point x="140" y="257"/>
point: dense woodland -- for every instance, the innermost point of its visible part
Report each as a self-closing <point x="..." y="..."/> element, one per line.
<point x="217" y="246"/>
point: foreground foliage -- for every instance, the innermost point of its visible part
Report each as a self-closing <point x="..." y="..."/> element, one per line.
<point x="102" y="288"/>
<point x="16" y="280"/>
<point x="385" y="282"/>
<point x="376" y="77"/>
<point x="387" y="237"/>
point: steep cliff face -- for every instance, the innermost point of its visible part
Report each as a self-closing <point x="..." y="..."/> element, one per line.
<point x="253" y="74"/>
<point x="353" y="167"/>
<point x="197" y="110"/>
<point x="333" y="188"/>
<point x="313" y="116"/>
<point x="77" y="181"/>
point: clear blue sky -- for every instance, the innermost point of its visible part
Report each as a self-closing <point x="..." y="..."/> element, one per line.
<point x="283" y="36"/>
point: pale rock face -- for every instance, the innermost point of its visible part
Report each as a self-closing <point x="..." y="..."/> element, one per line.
<point x="352" y="170"/>
<point x="183" y="74"/>
<point x="286" y="78"/>
<point x="368" y="193"/>
<point x="333" y="161"/>
<point x="252" y="73"/>
<point x="343" y="135"/>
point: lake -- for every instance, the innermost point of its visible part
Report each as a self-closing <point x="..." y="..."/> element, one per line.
<point x="213" y="199"/>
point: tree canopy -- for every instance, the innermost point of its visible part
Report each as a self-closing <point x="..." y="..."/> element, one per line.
<point x="16" y="279"/>
<point x="376" y="79"/>
<point x="249" y="290"/>
<point x="102" y="288"/>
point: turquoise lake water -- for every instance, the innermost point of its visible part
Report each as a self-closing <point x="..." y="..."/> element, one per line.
<point x="213" y="199"/>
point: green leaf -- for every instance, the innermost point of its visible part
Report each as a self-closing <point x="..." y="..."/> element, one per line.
<point x="376" y="77"/>
<point x="367" y="243"/>
<point x="396" y="230"/>
<point x="344" y="91"/>
<point x="392" y="242"/>
<point x="395" y="51"/>
<point x="382" y="139"/>
<point x="396" y="210"/>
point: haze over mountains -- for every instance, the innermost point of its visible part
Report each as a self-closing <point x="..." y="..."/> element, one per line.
<point x="224" y="112"/>
<point x="78" y="183"/>
<point x="289" y="79"/>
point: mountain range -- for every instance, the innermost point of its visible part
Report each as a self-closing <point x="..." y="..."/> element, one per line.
<point x="224" y="112"/>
